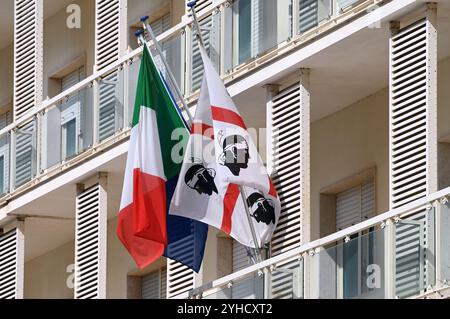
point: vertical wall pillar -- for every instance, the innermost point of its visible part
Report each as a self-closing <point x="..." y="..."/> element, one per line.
<point x="413" y="167"/>
<point x="91" y="240"/>
<point x="12" y="262"/>
<point x="288" y="163"/>
<point x="413" y="110"/>
<point x="305" y="151"/>
<point x="28" y="55"/>
<point x="110" y="32"/>
<point x="288" y="156"/>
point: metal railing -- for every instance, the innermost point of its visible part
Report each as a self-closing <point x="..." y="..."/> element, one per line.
<point x="96" y="112"/>
<point x="399" y="254"/>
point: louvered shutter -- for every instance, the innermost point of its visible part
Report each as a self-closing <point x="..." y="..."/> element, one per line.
<point x="90" y="243"/>
<point x="5" y="120"/>
<point x="71" y="108"/>
<point x="11" y="264"/>
<point x="413" y="149"/>
<point x="154" y="285"/>
<point x="110" y="42"/>
<point x="309" y="14"/>
<point x="312" y="12"/>
<point x="286" y="281"/>
<point x="25" y="152"/>
<point x="210" y="28"/>
<point x="110" y="105"/>
<point x="251" y="287"/>
<point x="354" y="205"/>
<point x="161" y="25"/>
<point x="344" y="4"/>
<point x="28" y="55"/>
<point x="286" y="157"/>
<point x="412" y="115"/>
<point x="414" y="257"/>
<point x="200" y="5"/>
<point x="179" y="278"/>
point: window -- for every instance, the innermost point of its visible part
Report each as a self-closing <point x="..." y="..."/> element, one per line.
<point x="342" y="205"/>
<point x="70" y="114"/>
<point x="69" y="139"/>
<point x="159" y="25"/>
<point x="154" y="285"/>
<point x="5" y="120"/>
<point x="353" y="257"/>
<point x="253" y="286"/>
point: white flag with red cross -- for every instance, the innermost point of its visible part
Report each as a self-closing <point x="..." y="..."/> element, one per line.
<point x="221" y="157"/>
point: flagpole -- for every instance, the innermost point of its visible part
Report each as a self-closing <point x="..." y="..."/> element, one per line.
<point x="140" y="35"/>
<point x="199" y="38"/>
<point x="158" y="48"/>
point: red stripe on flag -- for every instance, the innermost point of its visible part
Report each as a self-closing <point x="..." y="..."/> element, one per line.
<point x="272" y="190"/>
<point x="229" y="202"/>
<point x="142" y="224"/>
<point x="224" y="115"/>
<point x="203" y="129"/>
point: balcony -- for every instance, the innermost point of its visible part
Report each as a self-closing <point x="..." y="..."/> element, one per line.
<point x="402" y="253"/>
<point x="95" y="114"/>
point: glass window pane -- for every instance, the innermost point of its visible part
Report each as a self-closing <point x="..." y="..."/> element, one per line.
<point x="245" y="29"/>
<point x="70" y="130"/>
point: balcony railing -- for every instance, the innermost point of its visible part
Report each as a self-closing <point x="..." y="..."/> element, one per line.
<point x="399" y="254"/>
<point x="96" y="112"/>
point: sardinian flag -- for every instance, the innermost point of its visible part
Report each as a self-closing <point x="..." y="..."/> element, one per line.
<point x="220" y="158"/>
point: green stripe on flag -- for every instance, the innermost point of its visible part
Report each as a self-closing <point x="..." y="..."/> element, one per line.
<point x="152" y="93"/>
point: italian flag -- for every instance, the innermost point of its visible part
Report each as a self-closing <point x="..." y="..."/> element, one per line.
<point x="142" y="218"/>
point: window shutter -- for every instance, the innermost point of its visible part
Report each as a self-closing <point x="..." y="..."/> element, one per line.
<point x="354" y="205"/>
<point x="413" y="148"/>
<point x="161" y="25"/>
<point x="5" y="140"/>
<point x="368" y="200"/>
<point x="251" y="287"/>
<point x="110" y="105"/>
<point x="90" y="243"/>
<point x="154" y="285"/>
<point x="344" y="4"/>
<point x="71" y="108"/>
<point x="348" y="208"/>
<point x="11" y="264"/>
<point x="414" y="258"/>
<point x="179" y="278"/>
<point x="286" y="280"/>
<point x="210" y="28"/>
<point x="286" y="145"/>
<point x="28" y="55"/>
<point x="110" y="17"/>
<point x="412" y="115"/>
<point x="25" y="152"/>
<point x="309" y="14"/>
<point x="200" y="5"/>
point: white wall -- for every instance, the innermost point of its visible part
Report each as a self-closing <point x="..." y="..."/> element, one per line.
<point x="63" y="45"/>
<point x="346" y="143"/>
<point x="6" y="75"/>
<point x="46" y="276"/>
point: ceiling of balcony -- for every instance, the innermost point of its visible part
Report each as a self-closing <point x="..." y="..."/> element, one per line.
<point x="7" y="17"/>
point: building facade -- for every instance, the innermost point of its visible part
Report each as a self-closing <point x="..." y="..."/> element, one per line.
<point x="348" y="101"/>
